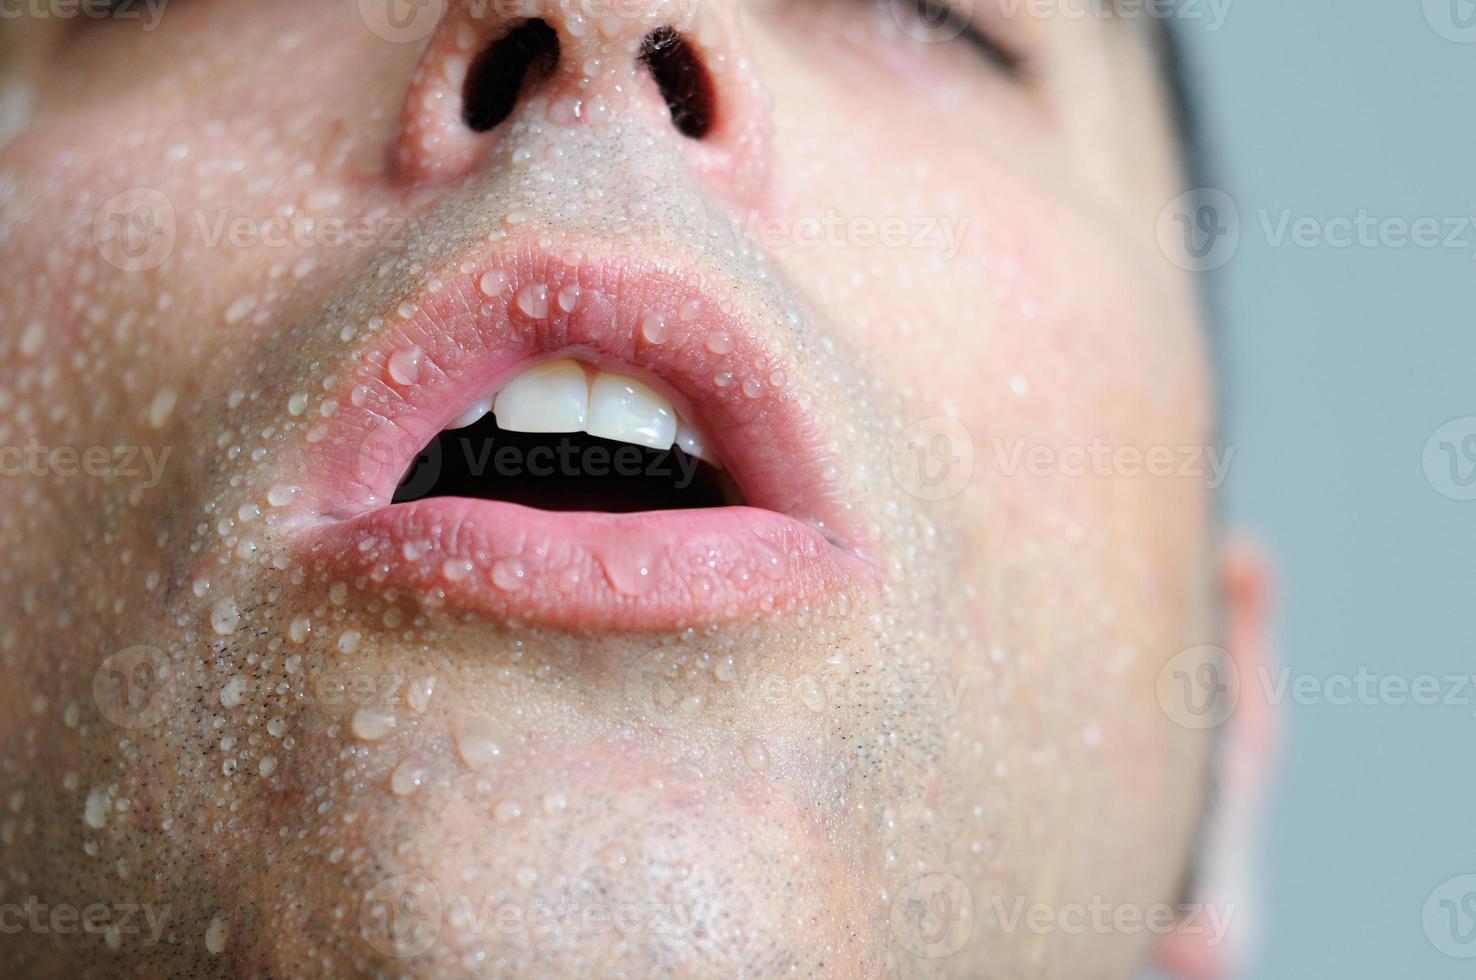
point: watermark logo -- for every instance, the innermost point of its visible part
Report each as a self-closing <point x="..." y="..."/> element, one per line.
<point x="1454" y="20"/>
<point x="933" y="916"/>
<point x="390" y="454"/>
<point x="401" y="916"/>
<point x="1102" y="917"/>
<point x="150" y="12"/>
<point x="666" y="688"/>
<point x="1101" y="459"/>
<point x="1199" y="230"/>
<point x="402" y="21"/>
<point x="131" y="687"/>
<point x="112" y="921"/>
<point x="135" y="230"/>
<point x="1450" y="917"/>
<point x="143" y="465"/>
<point x="933" y="459"/>
<point x="1450" y="459"/>
<point x="1198" y="688"/>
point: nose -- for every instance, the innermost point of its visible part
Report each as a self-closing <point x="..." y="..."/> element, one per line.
<point x="494" y="69"/>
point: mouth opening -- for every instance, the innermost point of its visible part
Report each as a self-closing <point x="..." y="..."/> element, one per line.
<point x="563" y="471"/>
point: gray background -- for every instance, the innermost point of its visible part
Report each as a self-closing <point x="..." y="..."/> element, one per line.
<point x="1341" y="363"/>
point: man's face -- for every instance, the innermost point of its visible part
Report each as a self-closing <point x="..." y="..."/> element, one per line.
<point x="851" y="701"/>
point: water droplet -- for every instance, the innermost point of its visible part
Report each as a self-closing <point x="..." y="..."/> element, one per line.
<point x="492" y="283"/>
<point x="719" y="342"/>
<point x="162" y="407"/>
<point x="569" y="298"/>
<point x="349" y="641"/>
<point x="267" y="765"/>
<point x="240" y="309"/>
<point x="371" y="723"/>
<point x="281" y="494"/>
<point x="655" y="328"/>
<point x="32" y="339"/>
<point x="225" y="616"/>
<point x="612" y="858"/>
<point x="297" y="404"/>
<point x="690" y="310"/>
<point x="507" y="811"/>
<point x="455" y="569"/>
<point x="532" y="300"/>
<point x="476" y="745"/>
<point x="554" y="803"/>
<point x="630" y="574"/>
<point x="755" y="755"/>
<point x="99" y="804"/>
<point x="404" y="365"/>
<point x="408" y="777"/>
<point x="233" y="693"/>
<point x="418" y="693"/>
<point x="217" y="933"/>
<point x="508" y="574"/>
<point x="811" y="694"/>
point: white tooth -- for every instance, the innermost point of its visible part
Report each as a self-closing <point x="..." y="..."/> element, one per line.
<point x="472" y="415"/>
<point x="689" y="442"/>
<point x="624" y="409"/>
<point x="552" y="397"/>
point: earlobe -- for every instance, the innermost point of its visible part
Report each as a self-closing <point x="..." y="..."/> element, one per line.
<point x="1216" y="932"/>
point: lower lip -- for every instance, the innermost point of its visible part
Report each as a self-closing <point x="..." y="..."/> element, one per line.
<point x="660" y="570"/>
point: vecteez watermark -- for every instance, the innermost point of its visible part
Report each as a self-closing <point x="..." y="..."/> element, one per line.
<point x="1201" y="687"/>
<point x="1449" y="459"/>
<point x="486" y="457"/>
<point x="1203" y="229"/>
<point x="1099" y="916"/>
<point x="1211" y="13"/>
<point x="116" y="921"/>
<point x="403" y="916"/>
<point x="147" y="12"/>
<point x="942" y="234"/>
<point x="1449" y="917"/>
<point x="669" y="687"/>
<point x="410" y="21"/>
<point x="144" y="464"/>
<point x="1020" y="456"/>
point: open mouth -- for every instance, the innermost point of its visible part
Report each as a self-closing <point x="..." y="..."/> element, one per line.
<point x="581" y="444"/>
<point x="566" y="436"/>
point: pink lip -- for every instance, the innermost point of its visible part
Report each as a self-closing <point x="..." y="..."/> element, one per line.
<point x="796" y="544"/>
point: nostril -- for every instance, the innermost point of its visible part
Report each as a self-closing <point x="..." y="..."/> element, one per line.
<point x="496" y="77"/>
<point x="683" y="80"/>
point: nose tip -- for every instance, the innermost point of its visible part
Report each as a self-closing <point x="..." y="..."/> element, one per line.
<point x="482" y="73"/>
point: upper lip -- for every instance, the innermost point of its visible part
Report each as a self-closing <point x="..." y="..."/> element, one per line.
<point x="797" y="542"/>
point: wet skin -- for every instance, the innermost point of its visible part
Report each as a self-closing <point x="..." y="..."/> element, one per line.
<point x="315" y="737"/>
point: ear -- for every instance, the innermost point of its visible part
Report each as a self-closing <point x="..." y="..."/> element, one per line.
<point x="1212" y="941"/>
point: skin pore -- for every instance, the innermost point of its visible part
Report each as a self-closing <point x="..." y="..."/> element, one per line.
<point x="299" y="766"/>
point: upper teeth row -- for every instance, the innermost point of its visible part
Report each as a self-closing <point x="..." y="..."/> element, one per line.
<point x="560" y="396"/>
